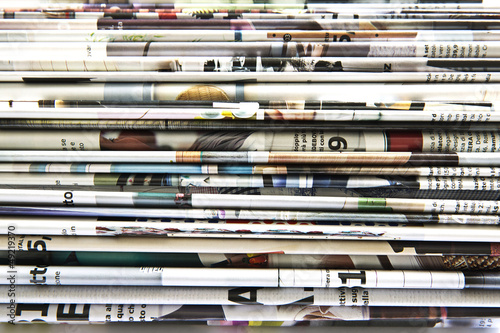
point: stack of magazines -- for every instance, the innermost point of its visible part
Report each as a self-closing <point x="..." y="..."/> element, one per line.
<point x="250" y="163"/>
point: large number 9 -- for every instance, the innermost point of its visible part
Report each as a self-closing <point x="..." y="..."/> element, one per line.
<point x="340" y="143"/>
